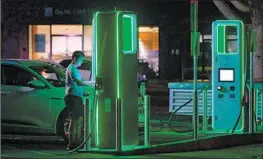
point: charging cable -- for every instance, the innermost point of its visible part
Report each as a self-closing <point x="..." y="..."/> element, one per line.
<point x="173" y="113"/>
<point x="93" y="125"/>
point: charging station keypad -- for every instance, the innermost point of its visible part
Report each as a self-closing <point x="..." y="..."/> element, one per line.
<point x="232" y="96"/>
<point x="232" y="88"/>
<point x="220" y="96"/>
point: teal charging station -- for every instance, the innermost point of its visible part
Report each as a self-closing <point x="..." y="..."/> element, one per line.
<point x="228" y="75"/>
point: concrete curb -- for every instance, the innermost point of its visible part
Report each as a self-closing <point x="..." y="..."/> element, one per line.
<point x="26" y="139"/>
<point x="208" y="143"/>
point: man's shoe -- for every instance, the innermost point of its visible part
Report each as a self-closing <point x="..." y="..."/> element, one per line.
<point x="71" y="147"/>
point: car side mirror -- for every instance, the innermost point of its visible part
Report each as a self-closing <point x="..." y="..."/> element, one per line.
<point x="37" y="84"/>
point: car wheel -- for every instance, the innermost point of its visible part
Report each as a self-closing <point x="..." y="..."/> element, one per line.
<point x="63" y="125"/>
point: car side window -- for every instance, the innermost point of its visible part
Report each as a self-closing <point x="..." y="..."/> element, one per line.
<point x="65" y="63"/>
<point x="16" y="76"/>
<point x="2" y="75"/>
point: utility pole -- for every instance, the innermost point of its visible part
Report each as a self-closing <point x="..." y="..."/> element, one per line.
<point x="195" y="51"/>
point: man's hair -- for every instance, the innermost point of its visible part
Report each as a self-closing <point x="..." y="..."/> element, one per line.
<point x="77" y="54"/>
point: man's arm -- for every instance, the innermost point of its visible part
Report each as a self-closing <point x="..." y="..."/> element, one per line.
<point x="78" y="80"/>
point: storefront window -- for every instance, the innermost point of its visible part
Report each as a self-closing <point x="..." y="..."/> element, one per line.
<point x="66" y="44"/>
<point x="149" y="46"/>
<point x="59" y="44"/>
<point x="74" y="43"/>
<point x="65" y="39"/>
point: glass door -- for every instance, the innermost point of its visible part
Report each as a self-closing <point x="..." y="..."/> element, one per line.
<point x="74" y="43"/>
<point x="59" y="45"/>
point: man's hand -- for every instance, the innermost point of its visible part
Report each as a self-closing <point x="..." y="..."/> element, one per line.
<point x="88" y="83"/>
<point x="86" y="94"/>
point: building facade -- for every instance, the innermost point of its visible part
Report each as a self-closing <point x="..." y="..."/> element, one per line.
<point x="54" y="30"/>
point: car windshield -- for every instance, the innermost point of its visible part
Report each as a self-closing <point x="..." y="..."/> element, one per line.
<point x="58" y="66"/>
<point x="86" y="65"/>
<point x="54" y="75"/>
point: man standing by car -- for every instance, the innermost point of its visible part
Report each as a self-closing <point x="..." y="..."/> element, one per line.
<point x="73" y="99"/>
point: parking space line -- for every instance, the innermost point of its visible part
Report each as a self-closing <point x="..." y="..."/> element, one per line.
<point x="5" y="155"/>
<point x="9" y="147"/>
<point x="42" y="153"/>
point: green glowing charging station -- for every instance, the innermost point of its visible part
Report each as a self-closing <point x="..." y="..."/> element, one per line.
<point x="115" y="43"/>
<point x="228" y="75"/>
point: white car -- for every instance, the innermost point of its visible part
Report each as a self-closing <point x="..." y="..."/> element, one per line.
<point x="84" y="69"/>
<point x="32" y="95"/>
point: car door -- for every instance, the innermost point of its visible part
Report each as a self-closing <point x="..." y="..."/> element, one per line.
<point x="85" y="70"/>
<point x="22" y="105"/>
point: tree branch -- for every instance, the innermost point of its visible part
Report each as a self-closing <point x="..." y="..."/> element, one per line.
<point x="226" y="10"/>
<point x="240" y="6"/>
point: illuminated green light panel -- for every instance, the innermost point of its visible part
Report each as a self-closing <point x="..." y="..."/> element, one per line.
<point x="129" y="34"/>
<point x="129" y="46"/>
<point x="222" y="38"/>
<point x="96" y="71"/>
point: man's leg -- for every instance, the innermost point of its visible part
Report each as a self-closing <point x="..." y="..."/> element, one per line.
<point x="77" y="122"/>
<point x="67" y="133"/>
<point x="69" y="101"/>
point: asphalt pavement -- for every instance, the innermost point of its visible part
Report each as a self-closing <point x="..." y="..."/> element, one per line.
<point x="56" y="149"/>
<point x="18" y="146"/>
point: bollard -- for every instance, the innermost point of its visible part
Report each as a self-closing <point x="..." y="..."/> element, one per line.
<point x="146" y="121"/>
<point x="195" y="114"/>
<point x="251" y="110"/>
<point x="255" y="102"/>
<point x="142" y="88"/>
<point x="251" y="96"/>
<point x="195" y="52"/>
<point x="261" y="109"/>
<point x="118" y="125"/>
<point x="85" y="122"/>
<point x="90" y="119"/>
<point x="205" y="110"/>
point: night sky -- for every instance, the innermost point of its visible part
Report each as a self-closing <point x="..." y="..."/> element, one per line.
<point x="150" y="12"/>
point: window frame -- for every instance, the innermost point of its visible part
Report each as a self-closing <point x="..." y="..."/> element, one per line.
<point x="45" y="79"/>
<point x="24" y="69"/>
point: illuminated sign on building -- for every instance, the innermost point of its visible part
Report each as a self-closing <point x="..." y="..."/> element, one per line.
<point x="49" y="11"/>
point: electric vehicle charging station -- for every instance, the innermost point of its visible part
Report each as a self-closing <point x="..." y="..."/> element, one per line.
<point x="227" y="75"/>
<point x="115" y="53"/>
<point x="115" y="102"/>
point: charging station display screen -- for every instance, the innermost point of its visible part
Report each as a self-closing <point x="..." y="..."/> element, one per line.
<point x="226" y="75"/>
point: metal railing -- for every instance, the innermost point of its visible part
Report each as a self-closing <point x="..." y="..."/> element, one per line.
<point x="180" y="96"/>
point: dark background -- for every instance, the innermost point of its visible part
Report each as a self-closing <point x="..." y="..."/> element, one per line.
<point x="171" y="16"/>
